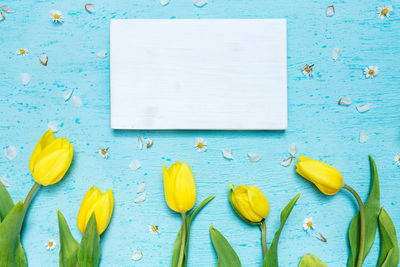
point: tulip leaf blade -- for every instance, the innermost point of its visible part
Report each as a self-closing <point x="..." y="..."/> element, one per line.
<point x="11" y="251"/>
<point x="68" y="245"/>
<point x="372" y="209"/>
<point x="227" y="256"/>
<point x="389" y="254"/>
<point x="178" y="240"/>
<point x="89" y="249"/>
<point x="271" y="257"/>
<point x="310" y="260"/>
<point x="6" y="203"/>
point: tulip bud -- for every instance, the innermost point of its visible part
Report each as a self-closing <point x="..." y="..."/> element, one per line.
<point x="249" y="202"/>
<point x="328" y="179"/>
<point x="101" y="204"/>
<point x="50" y="159"/>
<point x="310" y="260"/>
<point x="179" y="187"/>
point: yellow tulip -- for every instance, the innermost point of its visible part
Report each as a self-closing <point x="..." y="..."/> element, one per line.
<point x="328" y="179"/>
<point x="179" y="187"/>
<point x="50" y="159"/>
<point x="98" y="203"/>
<point x="249" y="202"/>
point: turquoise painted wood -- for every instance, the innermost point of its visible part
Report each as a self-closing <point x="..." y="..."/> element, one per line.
<point x="321" y="128"/>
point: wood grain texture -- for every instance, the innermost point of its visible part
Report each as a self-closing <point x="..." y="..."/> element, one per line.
<point x="320" y="127"/>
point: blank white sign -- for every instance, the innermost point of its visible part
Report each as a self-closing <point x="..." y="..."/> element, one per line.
<point x="227" y="74"/>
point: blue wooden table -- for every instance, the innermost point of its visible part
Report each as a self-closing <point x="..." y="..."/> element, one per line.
<point x="321" y="128"/>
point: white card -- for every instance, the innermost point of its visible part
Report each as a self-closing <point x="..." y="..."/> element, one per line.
<point x="227" y="74"/>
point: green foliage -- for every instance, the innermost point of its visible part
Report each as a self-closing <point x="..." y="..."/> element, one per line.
<point x="68" y="245"/>
<point x="310" y="260"/>
<point x="271" y="257"/>
<point x="227" y="257"/>
<point x="178" y="240"/>
<point x="389" y="254"/>
<point x="89" y="249"/>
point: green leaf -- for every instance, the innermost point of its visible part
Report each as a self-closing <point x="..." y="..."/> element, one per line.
<point x="11" y="252"/>
<point x="389" y="254"/>
<point x="68" y="245"/>
<point x="178" y="240"/>
<point x="372" y="208"/>
<point x="310" y="260"/>
<point x="271" y="257"/>
<point x="6" y="203"/>
<point x="227" y="257"/>
<point x="89" y="249"/>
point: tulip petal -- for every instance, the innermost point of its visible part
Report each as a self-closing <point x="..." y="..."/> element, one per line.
<point x="185" y="189"/>
<point x="103" y="211"/>
<point x="242" y="204"/>
<point x="46" y="139"/>
<point x="258" y="202"/>
<point x="87" y="207"/>
<point x="168" y="189"/>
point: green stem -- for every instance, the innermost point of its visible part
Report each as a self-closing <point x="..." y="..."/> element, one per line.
<point x="30" y="195"/>
<point x="360" y="257"/>
<point x="183" y="242"/>
<point x="263" y="227"/>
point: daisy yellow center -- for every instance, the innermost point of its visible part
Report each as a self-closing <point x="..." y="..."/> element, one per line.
<point x="154" y="228"/>
<point x="50" y="244"/>
<point x="22" y="51"/>
<point x="56" y="16"/>
<point x="371" y="72"/>
<point x="307" y="69"/>
<point x="384" y="11"/>
<point x="309" y="224"/>
<point x="200" y="145"/>
<point x="103" y="151"/>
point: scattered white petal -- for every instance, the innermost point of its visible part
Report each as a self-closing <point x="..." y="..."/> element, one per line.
<point x="200" y="144"/>
<point x="370" y="72"/>
<point x="2" y="17"/>
<point x="293" y="149"/>
<point x="335" y="53"/>
<point x="141" y="188"/>
<point x="321" y="237"/>
<point x="308" y="224"/>
<point x="363" y="107"/>
<point x="345" y="101"/>
<point x="10" y="152"/>
<point x="287" y="161"/>
<point x="56" y="16"/>
<point x="102" y="54"/>
<point x="330" y="11"/>
<point x="7" y="9"/>
<point x="254" y="157"/>
<point x="397" y="159"/>
<point x="5" y="181"/>
<point x="43" y="59"/>
<point x="104" y="152"/>
<point x="363" y="136"/>
<point x="139" y="143"/>
<point x="53" y="126"/>
<point x="149" y="142"/>
<point x="25" y="78"/>
<point x="308" y="70"/>
<point x="90" y="8"/>
<point x="51" y="244"/>
<point x="164" y="2"/>
<point x="76" y="101"/>
<point x="141" y="198"/>
<point x="200" y="3"/>
<point x="137" y="255"/>
<point x="227" y="153"/>
<point x="68" y="94"/>
<point x="135" y="164"/>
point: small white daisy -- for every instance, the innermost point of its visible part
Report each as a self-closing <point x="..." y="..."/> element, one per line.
<point x="384" y="11"/>
<point x="371" y="72"/>
<point x="51" y="244"/>
<point x="154" y="229"/>
<point x="200" y="144"/>
<point x="397" y="159"/>
<point x="308" y="224"/>
<point x="104" y="152"/>
<point x="308" y="70"/>
<point x="56" y="16"/>
<point x="22" y="51"/>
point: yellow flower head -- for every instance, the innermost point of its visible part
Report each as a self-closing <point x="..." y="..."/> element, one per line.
<point x="50" y="159"/>
<point x="328" y="179"/>
<point x="100" y="204"/>
<point x="179" y="187"/>
<point x="249" y="202"/>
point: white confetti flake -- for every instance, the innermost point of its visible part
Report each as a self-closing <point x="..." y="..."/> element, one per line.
<point x="5" y="181"/>
<point x="7" y="9"/>
<point x="227" y="153"/>
<point x="76" y="101"/>
<point x="141" y="198"/>
<point x="149" y="142"/>
<point x="200" y="3"/>
<point x="90" y="8"/>
<point x="254" y="157"/>
<point x="137" y="255"/>
<point x="141" y="188"/>
<point x="102" y="54"/>
<point x="134" y="165"/>
<point x="287" y="161"/>
<point x="364" y="107"/>
<point x="164" y="2"/>
<point x="53" y="126"/>
<point x="335" y="53"/>
<point x="2" y="17"/>
<point x="25" y="78"/>
<point x="293" y="149"/>
<point x="330" y="11"/>
<point x="140" y="143"/>
<point x="43" y="59"/>
<point x="67" y="94"/>
<point x="345" y="101"/>
<point x="11" y="152"/>
<point x="363" y="136"/>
